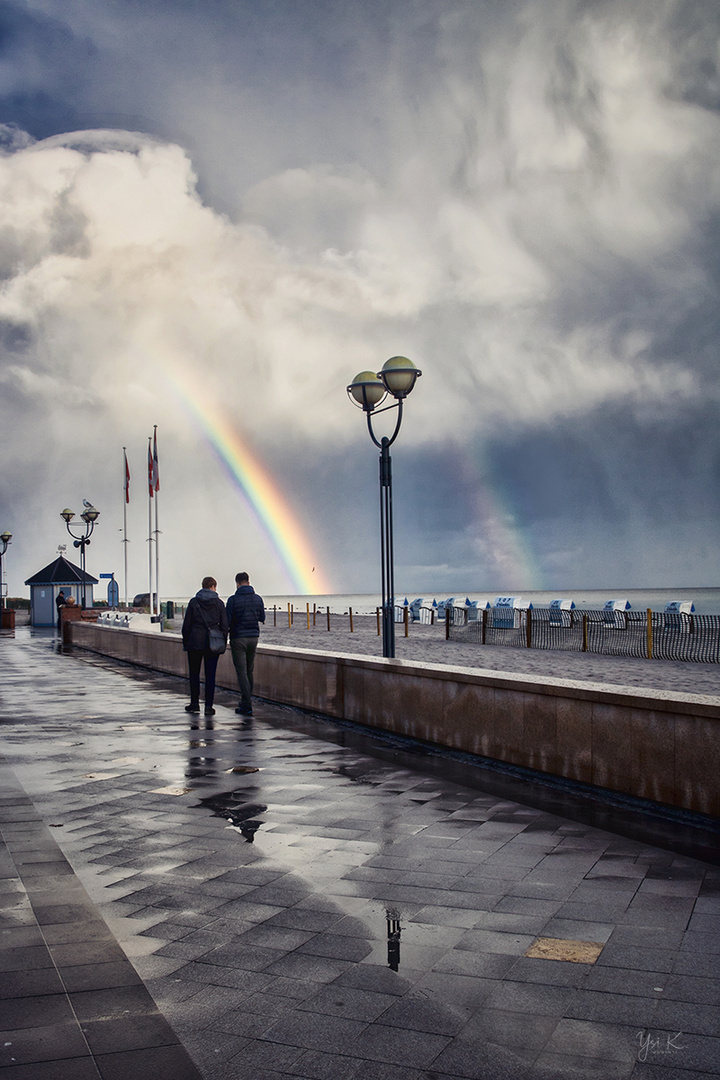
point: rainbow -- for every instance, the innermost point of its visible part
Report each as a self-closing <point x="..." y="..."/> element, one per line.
<point x="270" y="509"/>
<point x="509" y="560"/>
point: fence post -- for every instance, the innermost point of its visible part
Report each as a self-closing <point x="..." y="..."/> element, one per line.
<point x="307" y="608"/>
<point x="274" y="614"/>
<point x="585" y="632"/>
<point x="377" y="616"/>
<point x="314" y="613"/>
<point x="528" y="628"/>
<point x="289" y="617"/>
<point x="405" y="620"/>
<point x="484" y="624"/>
<point x="351" y="622"/>
<point x="447" y="623"/>
<point x="649" y="634"/>
<point x="328" y="619"/>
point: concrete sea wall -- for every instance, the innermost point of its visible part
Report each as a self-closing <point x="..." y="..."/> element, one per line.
<point x="649" y="744"/>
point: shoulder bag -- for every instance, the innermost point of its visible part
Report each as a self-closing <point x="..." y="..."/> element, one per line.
<point x="217" y="642"/>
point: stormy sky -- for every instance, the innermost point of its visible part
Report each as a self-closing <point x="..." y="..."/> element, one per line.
<point x="230" y="207"/>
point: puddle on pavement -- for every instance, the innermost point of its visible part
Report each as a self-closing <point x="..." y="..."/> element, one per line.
<point x="234" y="807"/>
<point x="241" y="807"/>
<point x="245" y="817"/>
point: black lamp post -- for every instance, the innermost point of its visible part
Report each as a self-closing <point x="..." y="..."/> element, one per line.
<point x="5" y="539"/>
<point x="368" y="390"/>
<point x="89" y="517"/>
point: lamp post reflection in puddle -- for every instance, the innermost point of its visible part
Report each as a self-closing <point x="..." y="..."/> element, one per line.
<point x="394" y="929"/>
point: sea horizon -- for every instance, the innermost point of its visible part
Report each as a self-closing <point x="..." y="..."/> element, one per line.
<point x="705" y="599"/>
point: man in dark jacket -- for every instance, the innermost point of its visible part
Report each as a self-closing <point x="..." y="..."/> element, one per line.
<point x="205" y="610"/>
<point x="245" y="611"/>
<point x="60" y="603"/>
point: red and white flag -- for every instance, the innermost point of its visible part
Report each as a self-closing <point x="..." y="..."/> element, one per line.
<point x="127" y="477"/>
<point x="156" y="466"/>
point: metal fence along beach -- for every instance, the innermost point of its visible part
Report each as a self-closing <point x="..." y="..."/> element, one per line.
<point x="643" y="634"/>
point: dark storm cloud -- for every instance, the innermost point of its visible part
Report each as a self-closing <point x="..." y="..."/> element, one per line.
<point x="45" y="70"/>
<point x="248" y="87"/>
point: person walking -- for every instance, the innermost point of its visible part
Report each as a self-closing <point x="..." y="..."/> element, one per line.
<point x="245" y="612"/>
<point x="205" y="611"/>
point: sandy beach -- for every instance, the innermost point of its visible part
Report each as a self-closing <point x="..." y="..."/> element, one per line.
<point x="427" y="643"/>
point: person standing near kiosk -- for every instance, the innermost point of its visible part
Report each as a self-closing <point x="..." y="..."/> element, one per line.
<point x="60" y="603"/>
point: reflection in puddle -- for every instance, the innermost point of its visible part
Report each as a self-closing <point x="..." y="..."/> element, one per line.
<point x="394" y="929"/>
<point x="248" y="830"/>
<point x="234" y="807"/>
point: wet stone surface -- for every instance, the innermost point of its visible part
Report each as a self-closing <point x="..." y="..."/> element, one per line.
<point x="303" y="900"/>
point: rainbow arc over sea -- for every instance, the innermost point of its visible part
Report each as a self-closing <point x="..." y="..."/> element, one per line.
<point x="268" y="505"/>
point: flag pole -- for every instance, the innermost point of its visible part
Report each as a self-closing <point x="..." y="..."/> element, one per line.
<point x="126" y="500"/>
<point x="157" y="557"/>
<point x="150" y="534"/>
<point x="156" y="486"/>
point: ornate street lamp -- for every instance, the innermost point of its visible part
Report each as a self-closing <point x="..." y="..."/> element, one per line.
<point x="368" y="391"/>
<point x="5" y="539"/>
<point x="89" y="517"/>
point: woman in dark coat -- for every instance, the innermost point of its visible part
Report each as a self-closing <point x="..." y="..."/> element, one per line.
<point x="205" y="610"/>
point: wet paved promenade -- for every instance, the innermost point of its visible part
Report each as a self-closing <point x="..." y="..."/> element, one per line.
<point x="284" y="898"/>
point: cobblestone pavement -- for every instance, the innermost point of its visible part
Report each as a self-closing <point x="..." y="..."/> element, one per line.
<point x="302" y="900"/>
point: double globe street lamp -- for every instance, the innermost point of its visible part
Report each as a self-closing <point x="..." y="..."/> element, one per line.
<point x="5" y="539"/>
<point x="89" y="517"/>
<point x="369" y="390"/>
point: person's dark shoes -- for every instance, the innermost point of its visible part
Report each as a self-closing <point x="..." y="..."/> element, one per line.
<point x="243" y="712"/>
<point x="209" y="711"/>
<point x="192" y="708"/>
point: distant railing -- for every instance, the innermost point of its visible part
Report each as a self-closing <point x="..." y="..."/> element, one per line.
<point x="645" y="634"/>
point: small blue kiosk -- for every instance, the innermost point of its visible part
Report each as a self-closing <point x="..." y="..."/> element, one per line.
<point x="48" y="582"/>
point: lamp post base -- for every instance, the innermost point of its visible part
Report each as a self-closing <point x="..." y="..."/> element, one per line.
<point x="388" y="628"/>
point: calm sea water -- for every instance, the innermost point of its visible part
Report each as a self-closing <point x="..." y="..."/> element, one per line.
<point x="706" y="601"/>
